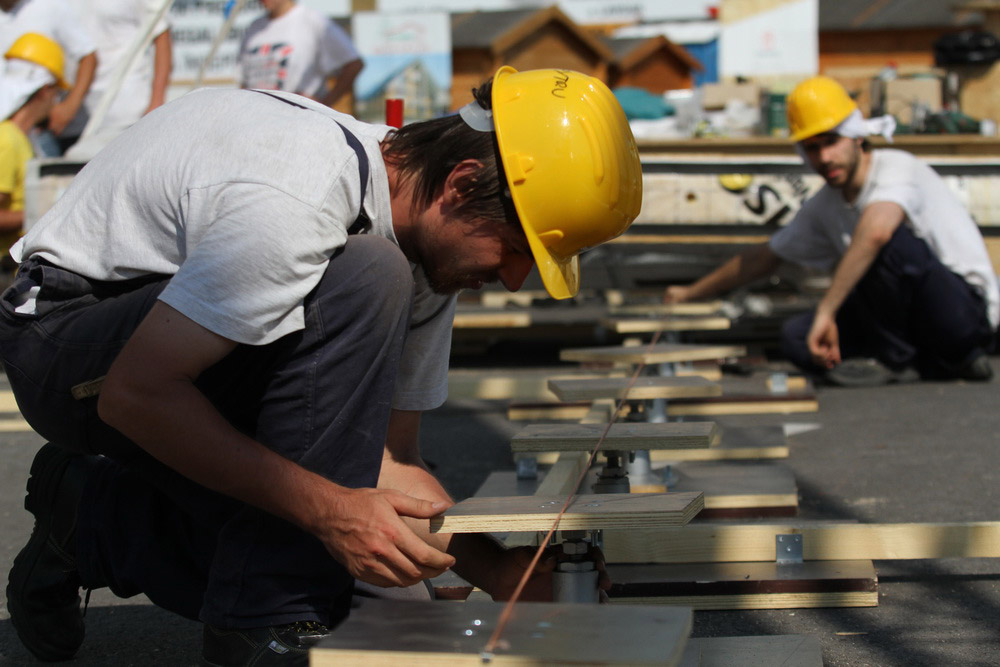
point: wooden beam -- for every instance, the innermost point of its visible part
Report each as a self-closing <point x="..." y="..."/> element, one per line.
<point x="391" y="633"/>
<point x="693" y="308"/>
<point x="499" y="319"/>
<point x="586" y="512"/>
<point x="534" y="411"/>
<point x="644" y="387"/>
<point x="655" y="354"/>
<point x="758" y="585"/>
<point x="625" y="436"/>
<point x="652" y="325"/>
<point x="704" y="543"/>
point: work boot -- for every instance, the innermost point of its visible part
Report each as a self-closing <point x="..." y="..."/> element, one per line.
<point x="977" y="370"/>
<point x="43" y="586"/>
<point x="864" y="372"/>
<point x="262" y="647"/>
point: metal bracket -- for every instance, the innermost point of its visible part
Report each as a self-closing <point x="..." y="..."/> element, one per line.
<point x="527" y="467"/>
<point x="788" y="549"/>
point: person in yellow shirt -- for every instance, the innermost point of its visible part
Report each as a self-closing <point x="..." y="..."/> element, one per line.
<point x="31" y="76"/>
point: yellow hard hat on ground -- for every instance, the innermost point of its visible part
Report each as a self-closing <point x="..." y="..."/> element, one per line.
<point x="40" y="50"/>
<point x="571" y="163"/>
<point x="817" y="105"/>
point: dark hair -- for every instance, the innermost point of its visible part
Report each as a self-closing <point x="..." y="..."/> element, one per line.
<point x="427" y="151"/>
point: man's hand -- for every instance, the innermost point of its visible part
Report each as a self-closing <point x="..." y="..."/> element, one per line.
<point x="365" y="533"/>
<point x="677" y="294"/>
<point x="824" y="340"/>
<point x="539" y="586"/>
<point x="60" y="116"/>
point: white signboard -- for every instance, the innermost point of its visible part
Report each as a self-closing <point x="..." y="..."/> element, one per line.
<point x="407" y="56"/>
<point x="581" y="11"/>
<point x="780" y="41"/>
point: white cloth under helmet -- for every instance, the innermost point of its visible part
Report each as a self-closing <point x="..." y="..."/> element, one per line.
<point x="19" y="79"/>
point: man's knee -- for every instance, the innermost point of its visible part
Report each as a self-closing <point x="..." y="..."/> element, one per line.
<point x="374" y="267"/>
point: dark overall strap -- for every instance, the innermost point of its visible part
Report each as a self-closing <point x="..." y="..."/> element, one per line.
<point x="362" y="224"/>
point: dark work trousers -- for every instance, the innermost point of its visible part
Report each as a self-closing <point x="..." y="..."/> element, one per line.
<point x="320" y="396"/>
<point x="907" y="310"/>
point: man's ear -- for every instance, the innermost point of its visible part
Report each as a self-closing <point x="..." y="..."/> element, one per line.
<point x="459" y="180"/>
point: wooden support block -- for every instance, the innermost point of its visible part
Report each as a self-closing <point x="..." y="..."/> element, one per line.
<point x="491" y="319"/>
<point x="766" y="651"/>
<point x="382" y="632"/>
<point x="648" y="309"/>
<point x="586" y="512"/>
<point x="652" y="354"/>
<point x="806" y="585"/>
<point x="720" y="542"/>
<point x="652" y="325"/>
<point x="643" y="388"/>
<point x="739" y="489"/>
<point x="497" y="299"/>
<point x="623" y="436"/>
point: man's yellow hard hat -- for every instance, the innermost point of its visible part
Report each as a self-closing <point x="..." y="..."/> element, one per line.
<point x="817" y="105"/>
<point x="41" y="50"/>
<point x="571" y="164"/>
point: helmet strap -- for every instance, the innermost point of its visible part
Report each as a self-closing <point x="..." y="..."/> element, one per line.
<point x="476" y="117"/>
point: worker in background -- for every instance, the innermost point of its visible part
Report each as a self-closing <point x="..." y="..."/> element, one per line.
<point x="30" y="78"/>
<point x="913" y="288"/>
<point x="58" y="20"/>
<point x="248" y="331"/>
<point x="297" y="49"/>
<point x="115" y="25"/>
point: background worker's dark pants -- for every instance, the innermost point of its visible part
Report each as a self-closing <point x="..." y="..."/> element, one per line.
<point x="907" y="310"/>
<point x="320" y="397"/>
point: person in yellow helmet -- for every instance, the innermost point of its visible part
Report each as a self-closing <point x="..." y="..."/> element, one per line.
<point x="913" y="289"/>
<point x="30" y="78"/>
<point x="248" y="297"/>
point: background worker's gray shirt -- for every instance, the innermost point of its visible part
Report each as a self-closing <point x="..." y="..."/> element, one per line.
<point x="243" y="199"/>
<point x="820" y="233"/>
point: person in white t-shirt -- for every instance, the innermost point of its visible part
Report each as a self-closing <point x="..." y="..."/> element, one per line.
<point x="913" y="286"/>
<point x="114" y="25"/>
<point x="244" y="304"/>
<point x="57" y="20"/>
<point x="297" y="49"/>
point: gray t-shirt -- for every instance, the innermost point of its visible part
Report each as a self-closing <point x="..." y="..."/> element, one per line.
<point x="820" y="233"/>
<point x="243" y="199"/>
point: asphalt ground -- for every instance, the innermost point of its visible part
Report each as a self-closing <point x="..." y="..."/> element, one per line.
<point x="921" y="452"/>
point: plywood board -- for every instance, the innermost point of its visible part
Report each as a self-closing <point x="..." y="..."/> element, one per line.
<point x="652" y="354"/>
<point x="513" y="384"/>
<point x="574" y="411"/>
<point x="651" y="325"/>
<point x="747" y="396"/>
<point x="642" y="388"/>
<point x="768" y="651"/>
<point x="587" y="512"/>
<point x="735" y="443"/>
<point x="382" y="632"/>
<point x="647" y="309"/>
<point x="720" y="542"/>
<point x="625" y="436"/>
<point x="738" y="485"/>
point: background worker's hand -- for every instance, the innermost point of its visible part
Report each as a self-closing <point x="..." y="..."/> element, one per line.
<point x="60" y="116"/>
<point x="365" y="533"/>
<point x="677" y="294"/>
<point x="824" y="340"/>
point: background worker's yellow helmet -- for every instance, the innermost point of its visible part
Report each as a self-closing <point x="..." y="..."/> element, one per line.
<point x="40" y="50"/>
<point x="817" y="105"/>
<point x="571" y="164"/>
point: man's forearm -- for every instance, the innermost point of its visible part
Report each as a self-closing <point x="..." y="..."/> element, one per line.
<point x="741" y="269"/>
